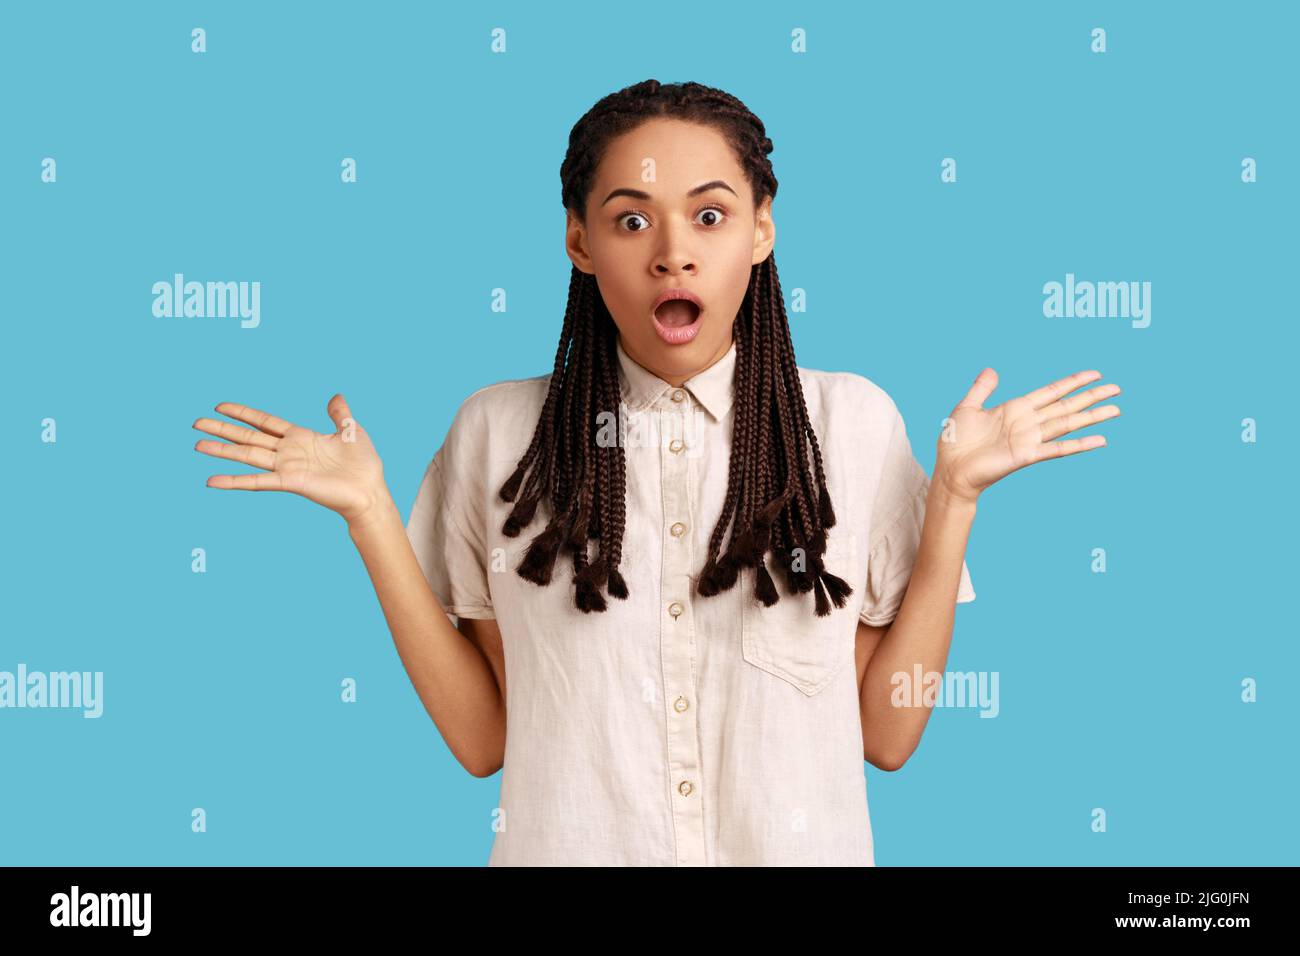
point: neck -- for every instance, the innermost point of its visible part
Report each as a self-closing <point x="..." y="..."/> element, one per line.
<point x="676" y="379"/>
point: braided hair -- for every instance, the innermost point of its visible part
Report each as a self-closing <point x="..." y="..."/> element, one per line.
<point x="776" y="487"/>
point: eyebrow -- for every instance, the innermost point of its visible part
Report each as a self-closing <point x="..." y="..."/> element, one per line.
<point x="646" y="197"/>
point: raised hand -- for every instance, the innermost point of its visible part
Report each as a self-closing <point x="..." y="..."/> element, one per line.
<point x="981" y="445"/>
<point x="341" y="471"/>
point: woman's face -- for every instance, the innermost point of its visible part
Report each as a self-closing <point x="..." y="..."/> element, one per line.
<point x="651" y="227"/>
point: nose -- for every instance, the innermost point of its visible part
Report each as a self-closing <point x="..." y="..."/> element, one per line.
<point x="673" y="255"/>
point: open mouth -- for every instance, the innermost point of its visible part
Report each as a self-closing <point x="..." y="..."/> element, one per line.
<point x="677" y="321"/>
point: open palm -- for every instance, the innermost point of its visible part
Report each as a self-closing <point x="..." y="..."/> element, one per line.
<point x="341" y="471"/>
<point x="982" y="445"/>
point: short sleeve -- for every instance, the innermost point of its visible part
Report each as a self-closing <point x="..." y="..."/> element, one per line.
<point x="447" y="532"/>
<point x="898" y="515"/>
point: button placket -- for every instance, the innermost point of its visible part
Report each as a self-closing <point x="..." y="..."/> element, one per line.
<point x="677" y="644"/>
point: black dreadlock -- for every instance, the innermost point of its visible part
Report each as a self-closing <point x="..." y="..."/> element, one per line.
<point x="776" y="500"/>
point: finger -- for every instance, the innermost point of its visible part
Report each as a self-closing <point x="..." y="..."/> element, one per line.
<point x="257" y="457"/>
<point x="1076" y="402"/>
<point x="1050" y="393"/>
<point x="242" y="436"/>
<point x="263" y="420"/>
<point x="985" y="382"/>
<point x="338" y="410"/>
<point x="1070" y="446"/>
<point x="257" y="482"/>
<point x="1062" y="424"/>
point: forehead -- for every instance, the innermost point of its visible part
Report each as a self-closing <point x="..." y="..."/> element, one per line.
<point x="683" y="155"/>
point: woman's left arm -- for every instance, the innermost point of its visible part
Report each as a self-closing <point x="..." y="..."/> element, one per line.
<point x="978" y="447"/>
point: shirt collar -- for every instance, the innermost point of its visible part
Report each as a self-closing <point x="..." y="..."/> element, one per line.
<point x="712" y="388"/>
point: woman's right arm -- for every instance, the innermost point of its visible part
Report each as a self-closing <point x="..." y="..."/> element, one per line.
<point x="343" y="472"/>
<point x="454" y="679"/>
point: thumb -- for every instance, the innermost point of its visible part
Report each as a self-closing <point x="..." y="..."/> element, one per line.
<point x="985" y="382"/>
<point x="338" y="410"/>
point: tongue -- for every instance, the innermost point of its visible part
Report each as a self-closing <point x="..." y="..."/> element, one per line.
<point x="676" y="313"/>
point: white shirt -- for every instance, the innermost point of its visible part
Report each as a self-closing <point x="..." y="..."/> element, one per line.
<point x="675" y="729"/>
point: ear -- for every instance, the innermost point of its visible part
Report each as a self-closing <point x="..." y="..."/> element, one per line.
<point x="575" y="243"/>
<point x="764" y="231"/>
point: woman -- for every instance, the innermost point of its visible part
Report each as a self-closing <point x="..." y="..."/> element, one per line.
<point x="707" y="715"/>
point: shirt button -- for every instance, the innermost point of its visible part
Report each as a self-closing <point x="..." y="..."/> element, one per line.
<point x="680" y="704"/>
<point x="676" y="445"/>
<point x="678" y="529"/>
<point x="675" y="609"/>
<point x="678" y="395"/>
<point x="685" y="788"/>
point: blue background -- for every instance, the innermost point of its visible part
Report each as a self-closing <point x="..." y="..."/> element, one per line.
<point x="1118" y="690"/>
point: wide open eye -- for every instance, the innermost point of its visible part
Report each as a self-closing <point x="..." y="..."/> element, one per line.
<point x="633" y="215"/>
<point x="719" y="215"/>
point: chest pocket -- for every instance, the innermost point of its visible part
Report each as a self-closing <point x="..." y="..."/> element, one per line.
<point x="788" y="639"/>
